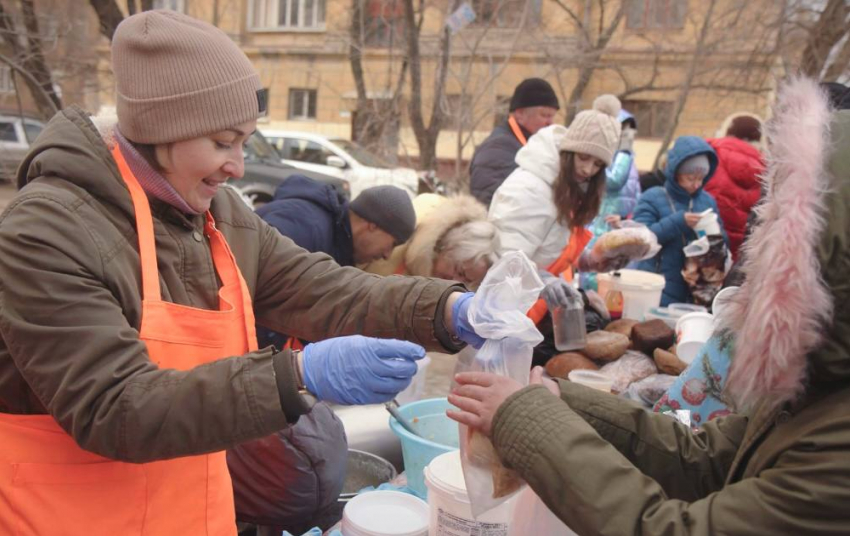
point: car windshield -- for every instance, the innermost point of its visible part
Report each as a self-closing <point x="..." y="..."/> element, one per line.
<point x="258" y="148"/>
<point x="361" y="154"/>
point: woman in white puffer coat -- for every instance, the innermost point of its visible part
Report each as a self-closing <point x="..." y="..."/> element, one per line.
<point x="542" y="208"/>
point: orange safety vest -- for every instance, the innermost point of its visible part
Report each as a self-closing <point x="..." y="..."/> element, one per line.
<point x="563" y="267"/>
<point x="49" y="485"/>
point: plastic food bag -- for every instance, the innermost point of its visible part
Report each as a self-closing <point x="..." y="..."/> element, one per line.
<point x="649" y="390"/>
<point x="706" y="264"/>
<point x="498" y="314"/>
<point x="633" y="366"/>
<point x="533" y="518"/>
<point x="633" y="241"/>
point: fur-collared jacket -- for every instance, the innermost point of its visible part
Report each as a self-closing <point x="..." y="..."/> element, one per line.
<point x="435" y="216"/>
<point x="605" y="466"/>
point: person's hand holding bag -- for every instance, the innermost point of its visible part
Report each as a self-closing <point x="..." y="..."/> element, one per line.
<point x="359" y="370"/>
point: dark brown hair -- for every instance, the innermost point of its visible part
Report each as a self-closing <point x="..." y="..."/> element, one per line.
<point x="575" y="207"/>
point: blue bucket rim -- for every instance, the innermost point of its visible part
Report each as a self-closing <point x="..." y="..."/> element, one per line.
<point x="401" y="432"/>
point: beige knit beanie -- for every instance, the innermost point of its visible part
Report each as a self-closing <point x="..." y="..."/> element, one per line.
<point x="595" y="132"/>
<point x="179" y="78"/>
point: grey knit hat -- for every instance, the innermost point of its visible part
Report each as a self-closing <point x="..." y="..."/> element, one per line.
<point x="596" y="132"/>
<point x="388" y="207"/>
<point x="695" y="164"/>
<point x="179" y="78"/>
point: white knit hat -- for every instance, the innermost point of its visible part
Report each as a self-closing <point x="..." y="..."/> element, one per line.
<point x="595" y="132"/>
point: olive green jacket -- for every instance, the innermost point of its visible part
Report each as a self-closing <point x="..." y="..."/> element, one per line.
<point x="70" y="308"/>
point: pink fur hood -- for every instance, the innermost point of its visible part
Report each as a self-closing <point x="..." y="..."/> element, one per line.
<point x="784" y="310"/>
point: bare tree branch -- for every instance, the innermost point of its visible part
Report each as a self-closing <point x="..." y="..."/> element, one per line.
<point x="108" y="15"/>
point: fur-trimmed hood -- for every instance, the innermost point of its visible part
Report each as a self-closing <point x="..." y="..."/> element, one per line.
<point x="453" y="211"/>
<point x="797" y="258"/>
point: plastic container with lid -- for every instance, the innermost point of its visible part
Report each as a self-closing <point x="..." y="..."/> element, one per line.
<point x="385" y="513"/>
<point x="448" y="503"/>
<point x="641" y="290"/>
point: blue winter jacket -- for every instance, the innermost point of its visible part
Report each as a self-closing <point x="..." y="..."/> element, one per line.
<point x="663" y="209"/>
<point x="313" y="215"/>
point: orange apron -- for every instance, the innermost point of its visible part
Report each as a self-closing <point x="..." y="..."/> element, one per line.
<point x="563" y="267"/>
<point x="49" y="485"/>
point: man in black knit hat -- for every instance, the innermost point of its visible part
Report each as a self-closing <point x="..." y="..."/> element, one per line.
<point x="533" y="106"/>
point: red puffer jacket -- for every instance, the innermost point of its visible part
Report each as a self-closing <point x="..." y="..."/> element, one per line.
<point x="735" y="185"/>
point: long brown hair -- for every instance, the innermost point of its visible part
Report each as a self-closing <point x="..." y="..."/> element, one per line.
<point x="575" y="207"/>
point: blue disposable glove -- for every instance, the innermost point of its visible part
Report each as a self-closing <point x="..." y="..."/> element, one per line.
<point x="460" y="318"/>
<point x="359" y="370"/>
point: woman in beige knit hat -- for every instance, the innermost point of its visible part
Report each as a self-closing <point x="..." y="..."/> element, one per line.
<point x="131" y="282"/>
<point x="542" y="208"/>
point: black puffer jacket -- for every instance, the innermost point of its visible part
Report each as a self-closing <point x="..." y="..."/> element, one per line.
<point x="492" y="162"/>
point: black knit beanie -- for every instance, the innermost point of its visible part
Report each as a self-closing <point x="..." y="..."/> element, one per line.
<point x="388" y="207"/>
<point x="534" y="92"/>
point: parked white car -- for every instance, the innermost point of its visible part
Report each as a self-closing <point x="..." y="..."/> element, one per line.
<point x="16" y="135"/>
<point x="340" y="158"/>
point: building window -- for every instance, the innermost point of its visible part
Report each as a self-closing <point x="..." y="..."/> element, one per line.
<point x="302" y="103"/>
<point x="652" y="117"/>
<point x="287" y="14"/>
<point x="7" y="85"/>
<point x="174" y="5"/>
<point x="263" y="101"/>
<point x="384" y="23"/>
<point x="656" y="14"/>
<point x="504" y="13"/>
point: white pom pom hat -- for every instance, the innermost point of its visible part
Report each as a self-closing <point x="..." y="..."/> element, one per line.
<point x="595" y="132"/>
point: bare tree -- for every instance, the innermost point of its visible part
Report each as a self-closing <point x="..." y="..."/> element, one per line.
<point x="109" y="15"/>
<point x="374" y="119"/>
<point x="27" y="56"/>
<point x="816" y="38"/>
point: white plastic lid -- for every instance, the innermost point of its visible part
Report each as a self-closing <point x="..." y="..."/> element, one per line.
<point x="591" y="378"/>
<point x="385" y="513"/>
<point x="446" y="472"/>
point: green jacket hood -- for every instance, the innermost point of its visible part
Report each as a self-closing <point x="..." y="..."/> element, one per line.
<point x="72" y="147"/>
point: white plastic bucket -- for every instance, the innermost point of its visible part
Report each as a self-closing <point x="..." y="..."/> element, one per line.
<point x="385" y="513"/>
<point x="592" y="379"/>
<point x="708" y="225"/>
<point x="414" y="391"/>
<point x="448" y="503"/>
<point x="641" y="290"/>
<point x="692" y="332"/>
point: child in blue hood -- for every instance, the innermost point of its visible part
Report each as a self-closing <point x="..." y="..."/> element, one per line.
<point x="672" y="211"/>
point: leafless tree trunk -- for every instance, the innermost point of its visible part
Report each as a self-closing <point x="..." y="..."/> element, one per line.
<point x="426" y="136"/>
<point x="372" y="117"/>
<point x="827" y="32"/>
<point x="592" y="47"/>
<point x="109" y="16"/>
<point x="682" y="99"/>
<point x="28" y="58"/>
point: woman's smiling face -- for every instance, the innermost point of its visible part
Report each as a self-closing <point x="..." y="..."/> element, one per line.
<point x="196" y="168"/>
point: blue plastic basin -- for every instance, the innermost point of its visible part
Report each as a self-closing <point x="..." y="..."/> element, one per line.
<point x="439" y="435"/>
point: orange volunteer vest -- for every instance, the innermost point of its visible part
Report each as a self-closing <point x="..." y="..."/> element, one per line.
<point x="49" y="485"/>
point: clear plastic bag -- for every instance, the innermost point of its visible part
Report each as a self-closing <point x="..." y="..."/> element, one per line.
<point x="498" y="314"/>
<point x="649" y="390"/>
<point x="632" y="367"/>
<point x="533" y="518"/>
<point x="632" y="240"/>
<point x="706" y="264"/>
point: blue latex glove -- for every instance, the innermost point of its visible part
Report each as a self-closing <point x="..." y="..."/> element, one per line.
<point x="460" y="319"/>
<point x="359" y="370"/>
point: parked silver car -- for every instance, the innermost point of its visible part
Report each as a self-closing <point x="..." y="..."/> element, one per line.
<point x="16" y="136"/>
